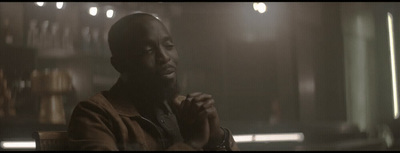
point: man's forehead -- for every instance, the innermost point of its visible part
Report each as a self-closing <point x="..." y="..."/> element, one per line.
<point x="147" y="29"/>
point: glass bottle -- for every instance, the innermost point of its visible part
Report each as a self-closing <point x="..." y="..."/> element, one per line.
<point x="54" y="41"/>
<point x="95" y="40"/>
<point x="8" y="36"/>
<point x="85" y="33"/>
<point x="43" y="36"/>
<point x="33" y="34"/>
<point x="66" y="40"/>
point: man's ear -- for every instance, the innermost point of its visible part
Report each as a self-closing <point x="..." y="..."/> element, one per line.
<point x="117" y="64"/>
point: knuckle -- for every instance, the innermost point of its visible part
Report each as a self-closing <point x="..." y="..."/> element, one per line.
<point x="189" y="99"/>
<point x="196" y="99"/>
<point x="194" y="94"/>
<point x="199" y="106"/>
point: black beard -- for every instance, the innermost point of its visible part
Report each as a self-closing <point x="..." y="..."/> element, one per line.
<point x="152" y="89"/>
<point x="165" y="90"/>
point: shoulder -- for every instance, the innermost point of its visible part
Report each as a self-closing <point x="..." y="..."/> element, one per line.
<point x="95" y="110"/>
<point x="97" y="103"/>
<point x="100" y="100"/>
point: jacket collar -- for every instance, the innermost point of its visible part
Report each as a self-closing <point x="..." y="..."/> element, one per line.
<point x="123" y="106"/>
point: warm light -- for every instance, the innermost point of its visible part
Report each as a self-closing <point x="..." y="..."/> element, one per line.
<point x="276" y="137"/>
<point x="93" y="11"/>
<point x="279" y="137"/>
<point x="40" y="4"/>
<point x="18" y="144"/>
<point x="59" y="5"/>
<point x="393" y="66"/>
<point x="243" y="138"/>
<point x="110" y="13"/>
<point x="260" y="7"/>
<point x="255" y="6"/>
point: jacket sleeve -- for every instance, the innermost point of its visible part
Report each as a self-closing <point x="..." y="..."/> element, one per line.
<point x="232" y="145"/>
<point x="181" y="146"/>
<point x="89" y="129"/>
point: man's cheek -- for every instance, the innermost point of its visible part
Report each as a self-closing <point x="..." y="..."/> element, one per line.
<point x="149" y="65"/>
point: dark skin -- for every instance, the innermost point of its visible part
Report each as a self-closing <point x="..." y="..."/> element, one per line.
<point x="150" y="65"/>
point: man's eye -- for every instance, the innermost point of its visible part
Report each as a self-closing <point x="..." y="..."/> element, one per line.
<point x="169" y="46"/>
<point x="148" y="49"/>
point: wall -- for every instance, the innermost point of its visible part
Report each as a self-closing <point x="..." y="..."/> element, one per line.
<point x="293" y="52"/>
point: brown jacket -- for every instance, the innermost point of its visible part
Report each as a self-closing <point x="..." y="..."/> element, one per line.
<point x="98" y="124"/>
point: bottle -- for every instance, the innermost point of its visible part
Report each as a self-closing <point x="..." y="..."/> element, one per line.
<point x="54" y="41"/>
<point x="7" y="105"/>
<point x="25" y="104"/>
<point x="10" y="103"/>
<point x="9" y="38"/>
<point x="43" y="36"/>
<point x="66" y="40"/>
<point x="85" y="33"/>
<point x="33" y="34"/>
<point x="95" y="41"/>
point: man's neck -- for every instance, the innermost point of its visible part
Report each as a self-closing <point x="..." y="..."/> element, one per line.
<point x="140" y="93"/>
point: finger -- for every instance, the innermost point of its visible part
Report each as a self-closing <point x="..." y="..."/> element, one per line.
<point x="202" y="115"/>
<point x="186" y="112"/>
<point x="191" y="95"/>
<point x="209" y="103"/>
<point x="202" y="121"/>
<point x="200" y="100"/>
<point x="194" y="107"/>
<point x="184" y="104"/>
<point x="211" y="112"/>
<point x="201" y="97"/>
<point x="197" y="106"/>
<point x="194" y="94"/>
<point x="181" y="110"/>
<point x="205" y="104"/>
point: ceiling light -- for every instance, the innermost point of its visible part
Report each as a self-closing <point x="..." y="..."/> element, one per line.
<point x="59" y="5"/>
<point x="260" y="7"/>
<point x="93" y="11"/>
<point x="40" y="4"/>
<point x="110" y="13"/>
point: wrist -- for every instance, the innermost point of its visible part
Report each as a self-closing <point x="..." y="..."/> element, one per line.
<point x="218" y="137"/>
<point x="219" y="141"/>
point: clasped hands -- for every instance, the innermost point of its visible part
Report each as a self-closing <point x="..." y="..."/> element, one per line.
<point x="199" y="122"/>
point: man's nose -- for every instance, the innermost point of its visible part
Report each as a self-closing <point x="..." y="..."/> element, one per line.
<point x="162" y="56"/>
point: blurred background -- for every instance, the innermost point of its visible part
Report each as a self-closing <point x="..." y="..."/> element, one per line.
<point x="285" y="76"/>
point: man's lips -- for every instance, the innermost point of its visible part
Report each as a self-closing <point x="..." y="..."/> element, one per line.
<point x="167" y="70"/>
<point x="168" y="73"/>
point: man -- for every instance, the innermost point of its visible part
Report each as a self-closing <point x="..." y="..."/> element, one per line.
<point x="143" y="110"/>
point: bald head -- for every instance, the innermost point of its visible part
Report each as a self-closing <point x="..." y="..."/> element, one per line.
<point x="144" y="54"/>
<point x="125" y="35"/>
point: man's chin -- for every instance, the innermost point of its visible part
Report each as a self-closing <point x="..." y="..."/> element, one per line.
<point x="172" y="90"/>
